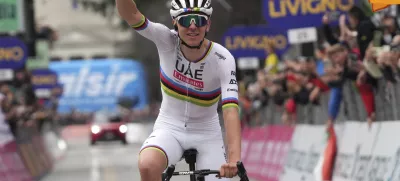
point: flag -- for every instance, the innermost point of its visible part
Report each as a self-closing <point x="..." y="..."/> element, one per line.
<point x="324" y="169"/>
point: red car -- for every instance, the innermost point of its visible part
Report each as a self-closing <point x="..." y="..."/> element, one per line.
<point x="107" y="128"/>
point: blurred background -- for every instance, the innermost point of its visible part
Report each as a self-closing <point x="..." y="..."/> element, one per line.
<point x="73" y="75"/>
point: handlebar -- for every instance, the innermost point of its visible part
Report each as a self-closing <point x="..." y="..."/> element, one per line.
<point x="201" y="173"/>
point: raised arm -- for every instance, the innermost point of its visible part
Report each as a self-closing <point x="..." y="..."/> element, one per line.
<point x="161" y="35"/>
<point x="128" y="10"/>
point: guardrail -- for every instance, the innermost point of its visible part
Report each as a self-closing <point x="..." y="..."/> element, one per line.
<point x="30" y="155"/>
<point x="386" y="97"/>
<point x="350" y="150"/>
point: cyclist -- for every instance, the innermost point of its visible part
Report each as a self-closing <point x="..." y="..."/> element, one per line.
<point x="195" y="73"/>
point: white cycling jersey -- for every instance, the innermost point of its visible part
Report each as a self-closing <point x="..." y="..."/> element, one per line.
<point x="188" y="115"/>
<point x="191" y="90"/>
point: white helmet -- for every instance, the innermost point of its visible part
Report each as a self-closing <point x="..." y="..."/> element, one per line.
<point x="179" y="7"/>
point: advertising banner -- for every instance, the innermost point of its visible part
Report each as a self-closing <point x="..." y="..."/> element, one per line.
<point x="13" y="53"/>
<point x="255" y="149"/>
<point x="288" y="14"/>
<point x="264" y="151"/>
<point x="369" y="153"/>
<point x="12" y="167"/>
<point x="275" y="151"/>
<point x="354" y="153"/>
<point x="90" y="86"/>
<point x="44" y="78"/>
<point x="307" y="145"/>
<point x="251" y="41"/>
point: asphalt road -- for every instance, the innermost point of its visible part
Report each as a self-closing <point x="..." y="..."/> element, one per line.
<point x="102" y="162"/>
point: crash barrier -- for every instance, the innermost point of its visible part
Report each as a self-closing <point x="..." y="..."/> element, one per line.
<point x="264" y="150"/>
<point x="25" y="157"/>
<point x="349" y="151"/>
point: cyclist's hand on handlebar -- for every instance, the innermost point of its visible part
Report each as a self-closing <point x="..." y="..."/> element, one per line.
<point x="228" y="170"/>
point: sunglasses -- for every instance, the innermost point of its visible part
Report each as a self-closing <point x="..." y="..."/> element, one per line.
<point x="187" y="20"/>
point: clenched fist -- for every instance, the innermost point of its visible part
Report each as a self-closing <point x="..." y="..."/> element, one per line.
<point x="228" y="170"/>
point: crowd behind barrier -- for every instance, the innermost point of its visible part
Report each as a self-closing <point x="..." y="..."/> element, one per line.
<point x="333" y="116"/>
<point x="348" y="77"/>
<point x="27" y="152"/>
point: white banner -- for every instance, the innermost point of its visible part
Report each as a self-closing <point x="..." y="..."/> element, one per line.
<point x="308" y="142"/>
<point x="386" y="162"/>
<point x="364" y="154"/>
<point x="375" y="156"/>
<point x="354" y="151"/>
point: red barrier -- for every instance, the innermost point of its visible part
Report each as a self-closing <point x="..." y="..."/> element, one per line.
<point x="264" y="151"/>
<point x="34" y="154"/>
<point x="11" y="166"/>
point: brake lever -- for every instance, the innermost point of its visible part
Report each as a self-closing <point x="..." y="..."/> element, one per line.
<point x="242" y="172"/>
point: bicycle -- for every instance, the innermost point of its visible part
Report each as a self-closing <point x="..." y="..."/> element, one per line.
<point x="198" y="175"/>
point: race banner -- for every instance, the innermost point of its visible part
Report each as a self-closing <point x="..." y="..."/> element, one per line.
<point x="354" y="153"/>
<point x="369" y="153"/>
<point x="255" y="149"/>
<point x="289" y="14"/>
<point x="44" y="80"/>
<point x="97" y="85"/>
<point x="275" y="151"/>
<point x="13" y="53"/>
<point x="251" y="41"/>
<point x="264" y="151"/>
<point x="307" y="145"/>
<point x="12" y="167"/>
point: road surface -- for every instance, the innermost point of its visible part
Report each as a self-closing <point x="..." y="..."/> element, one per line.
<point x="102" y="162"/>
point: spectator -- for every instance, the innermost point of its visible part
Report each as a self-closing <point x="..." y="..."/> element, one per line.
<point x="390" y="29"/>
<point x="8" y="106"/>
<point x="272" y="60"/>
<point x="349" y="68"/>
<point x="363" y="26"/>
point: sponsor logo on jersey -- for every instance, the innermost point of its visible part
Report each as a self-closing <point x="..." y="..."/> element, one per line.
<point x="229" y="90"/>
<point x="220" y="56"/>
<point x="233" y="81"/>
<point x="233" y="73"/>
<point x="187" y="71"/>
<point x="190" y="81"/>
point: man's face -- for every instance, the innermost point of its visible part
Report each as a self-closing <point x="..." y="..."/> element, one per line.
<point x="389" y="23"/>
<point x="339" y="57"/>
<point x="192" y="28"/>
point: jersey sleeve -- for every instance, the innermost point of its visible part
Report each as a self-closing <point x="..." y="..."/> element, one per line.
<point x="229" y="87"/>
<point x="160" y="34"/>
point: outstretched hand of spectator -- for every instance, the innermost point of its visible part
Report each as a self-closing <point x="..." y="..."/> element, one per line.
<point x="370" y="53"/>
<point x="361" y="78"/>
<point x="314" y="94"/>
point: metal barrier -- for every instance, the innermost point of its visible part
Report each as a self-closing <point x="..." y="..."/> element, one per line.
<point x="387" y="106"/>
